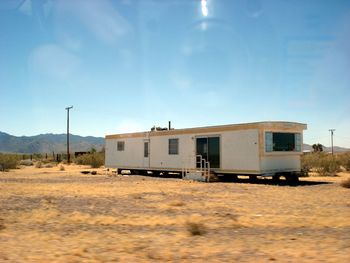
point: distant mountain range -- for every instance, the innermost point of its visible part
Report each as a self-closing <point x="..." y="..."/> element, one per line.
<point x="48" y="143"/>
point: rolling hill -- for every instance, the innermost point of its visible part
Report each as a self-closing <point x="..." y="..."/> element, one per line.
<point x="308" y="147"/>
<point x="48" y="143"/>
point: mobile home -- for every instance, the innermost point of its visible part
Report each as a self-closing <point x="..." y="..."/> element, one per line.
<point x="260" y="148"/>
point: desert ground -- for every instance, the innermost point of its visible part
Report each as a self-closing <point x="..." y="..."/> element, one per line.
<point x="48" y="215"/>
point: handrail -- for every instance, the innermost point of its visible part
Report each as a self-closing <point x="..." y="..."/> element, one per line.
<point x="204" y="167"/>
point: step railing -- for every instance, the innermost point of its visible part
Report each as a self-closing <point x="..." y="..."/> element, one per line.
<point x="201" y="166"/>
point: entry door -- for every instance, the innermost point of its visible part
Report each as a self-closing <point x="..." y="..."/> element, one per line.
<point x="209" y="149"/>
<point x="146" y="153"/>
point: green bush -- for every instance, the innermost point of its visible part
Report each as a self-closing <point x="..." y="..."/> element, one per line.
<point x="8" y="161"/>
<point x="95" y="160"/>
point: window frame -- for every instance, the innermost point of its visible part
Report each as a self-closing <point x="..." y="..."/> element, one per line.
<point x="146" y="149"/>
<point x="269" y="143"/>
<point x="173" y="149"/>
<point x="120" y="146"/>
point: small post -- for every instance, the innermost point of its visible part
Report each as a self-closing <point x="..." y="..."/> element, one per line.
<point x="332" y="132"/>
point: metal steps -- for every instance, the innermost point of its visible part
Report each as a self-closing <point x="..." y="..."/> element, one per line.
<point x="201" y="173"/>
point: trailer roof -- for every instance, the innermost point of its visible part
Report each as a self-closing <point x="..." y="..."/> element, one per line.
<point x="266" y="125"/>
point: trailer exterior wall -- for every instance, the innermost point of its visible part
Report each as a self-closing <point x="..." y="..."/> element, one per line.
<point x="272" y="164"/>
<point x="239" y="151"/>
<point x="159" y="152"/>
<point x="242" y="149"/>
<point x="132" y="156"/>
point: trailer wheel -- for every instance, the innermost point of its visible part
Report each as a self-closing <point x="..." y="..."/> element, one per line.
<point x="276" y="178"/>
<point x="135" y="172"/>
<point x="253" y="178"/>
<point x="292" y="179"/>
<point x="156" y="173"/>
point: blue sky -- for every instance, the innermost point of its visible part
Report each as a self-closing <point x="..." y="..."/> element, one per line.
<point x="128" y="65"/>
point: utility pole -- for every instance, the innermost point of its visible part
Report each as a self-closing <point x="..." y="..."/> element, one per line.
<point x="332" y="131"/>
<point x="68" y="156"/>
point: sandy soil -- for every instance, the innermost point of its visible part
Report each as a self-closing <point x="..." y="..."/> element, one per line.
<point x="47" y="215"/>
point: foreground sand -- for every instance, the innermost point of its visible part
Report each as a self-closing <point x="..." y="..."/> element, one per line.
<point x="47" y="215"/>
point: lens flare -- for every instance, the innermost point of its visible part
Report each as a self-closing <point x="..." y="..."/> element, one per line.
<point x="204" y="8"/>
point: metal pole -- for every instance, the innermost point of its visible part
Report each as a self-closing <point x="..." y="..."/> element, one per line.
<point x="68" y="156"/>
<point x="332" y="131"/>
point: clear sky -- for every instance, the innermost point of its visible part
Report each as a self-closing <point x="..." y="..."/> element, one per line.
<point x="128" y="65"/>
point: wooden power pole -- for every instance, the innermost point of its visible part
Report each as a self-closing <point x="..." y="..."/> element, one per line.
<point x="68" y="156"/>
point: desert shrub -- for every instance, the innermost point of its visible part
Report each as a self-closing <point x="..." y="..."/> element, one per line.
<point x="328" y="166"/>
<point x="311" y="160"/>
<point x="8" y="161"/>
<point x="345" y="183"/>
<point x="38" y="164"/>
<point x="95" y="160"/>
<point x="26" y="162"/>
<point x="344" y="160"/>
<point x="323" y="163"/>
<point x="308" y="161"/>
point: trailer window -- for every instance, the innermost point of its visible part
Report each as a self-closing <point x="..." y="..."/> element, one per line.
<point x="173" y="146"/>
<point x="120" y="146"/>
<point x="282" y="142"/>
<point x="145" y="150"/>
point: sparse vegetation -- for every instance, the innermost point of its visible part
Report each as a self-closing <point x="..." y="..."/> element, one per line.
<point x="94" y="159"/>
<point x="167" y="219"/>
<point x="8" y="161"/>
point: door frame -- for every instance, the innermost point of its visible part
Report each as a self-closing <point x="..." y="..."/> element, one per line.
<point x="209" y="136"/>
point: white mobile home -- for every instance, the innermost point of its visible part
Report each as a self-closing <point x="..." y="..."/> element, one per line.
<point x="260" y="148"/>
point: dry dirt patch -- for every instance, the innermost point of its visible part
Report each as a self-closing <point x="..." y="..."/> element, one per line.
<point x="64" y="216"/>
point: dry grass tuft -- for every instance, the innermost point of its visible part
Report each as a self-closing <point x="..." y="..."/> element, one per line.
<point x="38" y="164"/>
<point x="196" y="228"/>
<point x="177" y="203"/>
<point x="345" y="183"/>
<point x="2" y="226"/>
